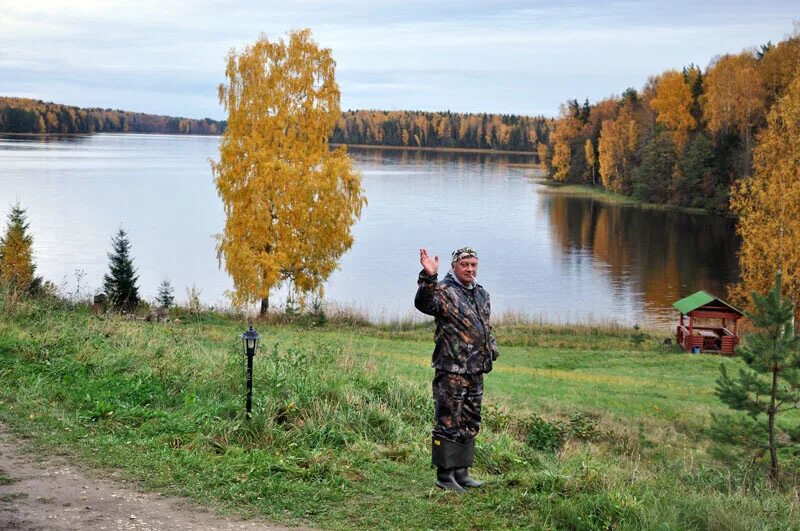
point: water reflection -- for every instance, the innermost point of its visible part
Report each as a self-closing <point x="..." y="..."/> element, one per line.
<point x="663" y="256"/>
<point x="459" y="158"/>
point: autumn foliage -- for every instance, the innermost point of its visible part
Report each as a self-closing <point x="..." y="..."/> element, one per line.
<point x="695" y="128"/>
<point x="768" y="203"/>
<point x="441" y="130"/>
<point x="290" y="202"/>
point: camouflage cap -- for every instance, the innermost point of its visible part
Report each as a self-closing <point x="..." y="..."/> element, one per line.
<point x="463" y="252"/>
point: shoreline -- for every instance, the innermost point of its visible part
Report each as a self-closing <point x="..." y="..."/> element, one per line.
<point x="613" y="198"/>
<point x="440" y="149"/>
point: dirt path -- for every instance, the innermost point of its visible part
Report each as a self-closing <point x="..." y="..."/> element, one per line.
<point x="46" y="494"/>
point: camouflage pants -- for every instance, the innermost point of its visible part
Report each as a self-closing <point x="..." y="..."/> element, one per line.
<point x="457" y="410"/>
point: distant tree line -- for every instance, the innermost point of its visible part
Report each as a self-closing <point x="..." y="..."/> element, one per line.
<point x="685" y="139"/>
<point x="505" y="132"/>
<point x="23" y="115"/>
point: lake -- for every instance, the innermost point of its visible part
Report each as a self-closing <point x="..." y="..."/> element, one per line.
<point x="546" y="256"/>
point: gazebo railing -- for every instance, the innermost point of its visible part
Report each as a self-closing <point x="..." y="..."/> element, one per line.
<point x="687" y="340"/>
<point x="710" y="339"/>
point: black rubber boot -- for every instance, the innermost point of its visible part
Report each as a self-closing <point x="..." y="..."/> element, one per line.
<point x="461" y="475"/>
<point x="447" y="457"/>
<point x="446" y="481"/>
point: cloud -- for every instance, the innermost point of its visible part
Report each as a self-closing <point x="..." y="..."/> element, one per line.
<point x="509" y="54"/>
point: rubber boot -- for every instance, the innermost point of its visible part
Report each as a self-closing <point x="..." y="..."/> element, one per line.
<point x="461" y="475"/>
<point x="446" y="481"/>
<point x="447" y="457"/>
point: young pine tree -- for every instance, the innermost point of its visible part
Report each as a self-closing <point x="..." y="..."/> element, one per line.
<point x="166" y="295"/>
<point x="16" y="254"/>
<point x="119" y="284"/>
<point x="770" y="383"/>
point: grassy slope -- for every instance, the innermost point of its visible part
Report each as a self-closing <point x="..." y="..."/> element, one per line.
<point x="341" y="432"/>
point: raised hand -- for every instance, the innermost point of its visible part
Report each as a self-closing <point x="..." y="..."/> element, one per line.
<point x="430" y="266"/>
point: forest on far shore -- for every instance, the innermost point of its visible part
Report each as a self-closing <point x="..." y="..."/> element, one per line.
<point x="368" y="127"/>
<point x="24" y="115"/>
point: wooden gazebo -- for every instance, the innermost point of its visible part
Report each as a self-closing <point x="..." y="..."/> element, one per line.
<point x="702" y="305"/>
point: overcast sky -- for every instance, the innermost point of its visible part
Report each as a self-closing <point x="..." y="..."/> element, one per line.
<point x="509" y="56"/>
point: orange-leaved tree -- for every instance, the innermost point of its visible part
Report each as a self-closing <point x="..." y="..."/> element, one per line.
<point x="768" y="204"/>
<point x="619" y="142"/>
<point x="735" y="99"/>
<point x="591" y="158"/>
<point x="673" y="104"/>
<point x="779" y="64"/>
<point x="290" y="202"/>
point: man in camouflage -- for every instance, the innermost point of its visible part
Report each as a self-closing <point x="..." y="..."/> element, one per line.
<point x="465" y="349"/>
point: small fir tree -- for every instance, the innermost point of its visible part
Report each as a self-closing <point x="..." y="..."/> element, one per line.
<point x="16" y="254"/>
<point x="637" y="337"/>
<point x="770" y="383"/>
<point x="119" y="284"/>
<point x="166" y="295"/>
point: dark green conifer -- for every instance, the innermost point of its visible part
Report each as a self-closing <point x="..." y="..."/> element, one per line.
<point x="119" y="284"/>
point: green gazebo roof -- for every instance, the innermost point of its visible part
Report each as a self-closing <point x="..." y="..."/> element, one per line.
<point x="696" y="300"/>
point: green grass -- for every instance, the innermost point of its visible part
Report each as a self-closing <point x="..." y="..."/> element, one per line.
<point x="581" y="429"/>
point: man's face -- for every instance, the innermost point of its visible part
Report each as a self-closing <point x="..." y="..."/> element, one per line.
<point x="466" y="270"/>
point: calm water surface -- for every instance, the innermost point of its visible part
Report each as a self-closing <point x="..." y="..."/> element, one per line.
<point x="556" y="257"/>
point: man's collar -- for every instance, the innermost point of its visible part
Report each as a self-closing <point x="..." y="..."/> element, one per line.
<point x="470" y="286"/>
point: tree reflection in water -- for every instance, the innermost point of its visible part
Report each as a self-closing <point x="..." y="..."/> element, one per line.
<point x="666" y="255"/>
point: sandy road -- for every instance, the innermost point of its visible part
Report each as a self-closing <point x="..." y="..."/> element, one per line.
<point x="45" y="494"/>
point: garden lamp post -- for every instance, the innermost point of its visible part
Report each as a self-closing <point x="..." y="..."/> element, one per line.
<point x="250" y="340"/>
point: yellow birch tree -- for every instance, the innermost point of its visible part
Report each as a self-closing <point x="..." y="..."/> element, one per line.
<point x="289" y="201"/>
<point x="591" y="159"/>
<point x="617" y="147"/>
<point x="779" y="65"/>
<point x="565" y="139"/>
<point x="543" y="151"/>
<point x="735" y="98"/>
<point x="768" y="204"/>
<point x="561" y="160"/>
<point x="673" y="104"/>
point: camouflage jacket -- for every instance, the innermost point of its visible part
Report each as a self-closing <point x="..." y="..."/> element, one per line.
<point x="464" y="340"/>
